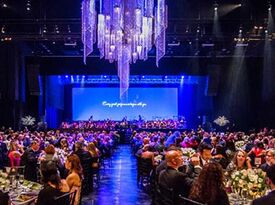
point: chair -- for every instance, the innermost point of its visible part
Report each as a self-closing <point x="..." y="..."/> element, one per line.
<point x="4" y="198"/>
<point x="65" y="199"/>
<point x="165" y="196"/>
<point x="145" y="169"/>
<point x="187" y="201"/>
<point x="87" y="182"/>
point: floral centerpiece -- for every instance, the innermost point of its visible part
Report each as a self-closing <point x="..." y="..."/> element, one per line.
<point x="240" y="144"/>
<point x="188" y="152"/>
<point x="221" y="121"/>
<point x="249" y="183"/>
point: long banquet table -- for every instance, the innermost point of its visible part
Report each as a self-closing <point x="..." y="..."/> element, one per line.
<point x="20" y="193"/>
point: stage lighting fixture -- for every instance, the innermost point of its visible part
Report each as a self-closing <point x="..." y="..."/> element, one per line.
<point x="56" y="29"/>
<point x="66" y="76"/>
<point x="44" y="29"/>
<point x="69" y="29"/>
<point x="215" y="7"/>
<point x="3" y="29"/>
<point x="4" y="5"/>
<point x="28" y="5"/>
<point x="182" y="77"/>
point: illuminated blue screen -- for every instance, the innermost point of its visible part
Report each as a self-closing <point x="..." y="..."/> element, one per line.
<point x="104" y="103"/>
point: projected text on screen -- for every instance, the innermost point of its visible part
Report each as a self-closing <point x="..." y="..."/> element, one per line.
<point x="104" y="103"/>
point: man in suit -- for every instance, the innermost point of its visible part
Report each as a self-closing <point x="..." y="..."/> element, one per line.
<point x="172" y="179"/>
<point x="199" y="160"/>
<point x="270" y="198"/>
<point x="29" y="159"/>
<point x="86" y="163"/>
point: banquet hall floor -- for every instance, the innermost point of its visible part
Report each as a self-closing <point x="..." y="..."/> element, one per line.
<point x="118" y="185"/>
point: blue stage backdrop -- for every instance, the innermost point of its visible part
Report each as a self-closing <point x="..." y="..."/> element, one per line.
<point x="104" y="103"/>
<point x="153" y="97"/>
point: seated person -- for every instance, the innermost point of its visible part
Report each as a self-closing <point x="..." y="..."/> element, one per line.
<point x="199" y="160"/>
<point x="269" y="158"/>
<point x="239" y="162"/>
<point x="209" y="187"/>
<point x="74" y="178"/>
<point x="53" y="185"/>
<point x="148" y="153"/>
<point x="270" y="198"/>
<point x="172" y="179"/>
<point x="220" y="156"/>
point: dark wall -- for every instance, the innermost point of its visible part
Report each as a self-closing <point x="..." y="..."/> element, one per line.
<point x="237" y="86"/>
<point x="243" y="106"/>
<point x="12" y="82"/>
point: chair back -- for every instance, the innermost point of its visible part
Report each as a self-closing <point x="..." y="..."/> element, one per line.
<point x="187" y="201"/>
<point x="4" y="198"/>
<point x="145" y="166"/>
<point x="65" y="199"/>
<point x="166" y="195"/>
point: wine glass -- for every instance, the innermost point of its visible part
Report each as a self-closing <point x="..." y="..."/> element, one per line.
<point x="8" y="169"/>
<point x="21" y="179"/>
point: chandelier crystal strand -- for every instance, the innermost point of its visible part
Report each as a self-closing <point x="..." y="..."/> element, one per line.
<point x="160" y="27"/>
<point x="88" y="26"/>
<point x="126" y="31"/>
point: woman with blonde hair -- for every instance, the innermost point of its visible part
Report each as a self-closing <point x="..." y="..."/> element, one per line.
<point x="74" y="178"/>
<point x="95" y="153"/>
<point x="240" y="161"/>
<point x="15" y="154"/>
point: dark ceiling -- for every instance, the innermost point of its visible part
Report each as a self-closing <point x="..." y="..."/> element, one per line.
<point x="52" y="27"/>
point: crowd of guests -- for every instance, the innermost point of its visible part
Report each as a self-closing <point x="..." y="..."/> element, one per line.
<point x="201" y="176"/>
<point x="62" y="161"/>
<point x="65" y="161"/>
<point x="135" y="124"/>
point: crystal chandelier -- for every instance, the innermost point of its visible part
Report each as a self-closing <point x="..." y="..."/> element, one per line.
<point x="125" y="31"/>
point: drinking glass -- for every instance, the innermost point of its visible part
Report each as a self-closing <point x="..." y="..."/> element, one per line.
<point x="21" y="179"/>
<point x="8" y="170"/>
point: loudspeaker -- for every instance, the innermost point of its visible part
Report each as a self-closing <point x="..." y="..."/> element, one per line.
<point x="33" y="79"/>
<point x="213" y="80"/>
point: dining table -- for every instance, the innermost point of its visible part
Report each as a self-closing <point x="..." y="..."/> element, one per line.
<point x="19" y="191"/>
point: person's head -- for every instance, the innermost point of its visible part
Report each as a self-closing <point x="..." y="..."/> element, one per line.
<point x="205" y="151"/>
<point x="91" y="147"/>
<point x="35" y="145"/>
<point x="209" y="183"/>
<point x="270" y="173"/>
<point x="73" y="164"/>
<point x="49" y="173"/>
<point x="174" y="159"/>
<point x="78" y="146"/>
<point x="259" y="144"/>
<point x="13" y="146"/>
<point x="220" y="150"/>
<point x="240" y="158"/>
<point x="270" y="156"/>
<point x="50" y="149"/>
<point x="64" y="143"/>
